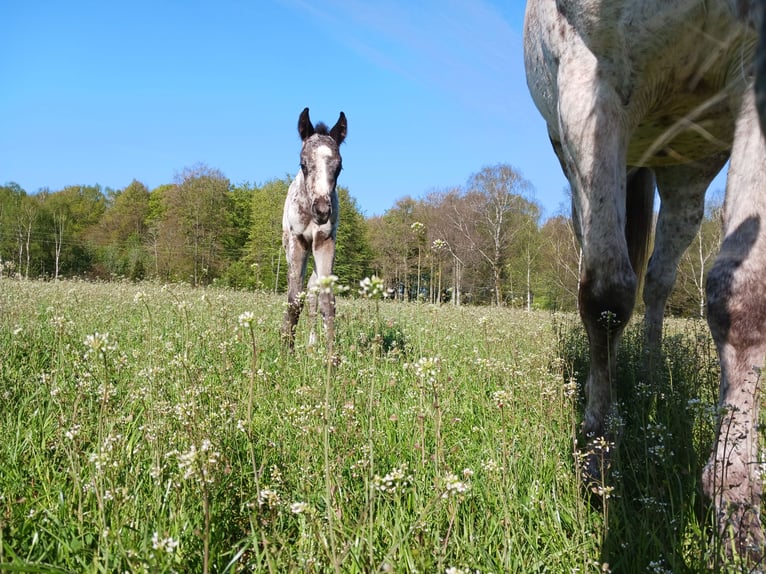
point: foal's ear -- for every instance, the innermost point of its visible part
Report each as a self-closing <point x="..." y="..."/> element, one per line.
<point x="338" y="131"/>
<point x="305" y="127"/>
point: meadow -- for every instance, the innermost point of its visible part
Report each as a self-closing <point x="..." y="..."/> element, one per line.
<point x="160" y="428"/>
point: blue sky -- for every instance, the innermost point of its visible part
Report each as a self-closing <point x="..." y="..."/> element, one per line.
<point x="107" y="92"/>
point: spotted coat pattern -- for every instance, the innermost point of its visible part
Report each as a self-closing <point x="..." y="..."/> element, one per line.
<point x="645" y="93"/>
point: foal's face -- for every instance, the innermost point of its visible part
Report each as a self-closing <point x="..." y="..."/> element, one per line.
<point x="321" y="164"/>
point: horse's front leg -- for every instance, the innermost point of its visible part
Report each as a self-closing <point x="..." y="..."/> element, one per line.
<point x="313" y="301"/>
<point x="324" y="257"/>
<point x="736" y="292"/>
<point x="594" y="140"/>
<point x="296" y="249"/>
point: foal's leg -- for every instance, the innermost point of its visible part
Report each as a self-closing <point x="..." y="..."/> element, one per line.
<point x="313" y="299"/>
<point x="594" y="141"/>
<point x="736" y="291"/>
<point x="682" y="191"/>
<point x="324" y="257"/>
<point x="296" y="249"/>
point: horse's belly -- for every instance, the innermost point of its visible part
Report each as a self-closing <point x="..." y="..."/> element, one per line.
<point x="689" y="129"/>
<point x="677" y="66"/>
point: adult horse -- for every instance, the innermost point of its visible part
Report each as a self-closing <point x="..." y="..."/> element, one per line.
<point x="310" y="220"/>
<point x="645" y="93"/>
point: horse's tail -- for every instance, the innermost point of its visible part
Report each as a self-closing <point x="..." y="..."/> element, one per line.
<point x="639" y="216"/>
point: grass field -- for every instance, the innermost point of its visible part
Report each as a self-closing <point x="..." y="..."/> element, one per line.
<point x="151" y="428"/>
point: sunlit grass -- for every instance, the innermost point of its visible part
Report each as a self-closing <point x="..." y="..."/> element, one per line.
<point x="152" y="428"/>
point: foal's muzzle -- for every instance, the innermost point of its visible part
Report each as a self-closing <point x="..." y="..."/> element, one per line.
<point x="321" y="210"/>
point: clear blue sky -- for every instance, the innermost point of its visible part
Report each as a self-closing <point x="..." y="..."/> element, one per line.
<point x="107" y="92"/>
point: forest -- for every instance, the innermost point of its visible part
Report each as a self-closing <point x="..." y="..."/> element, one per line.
<point x="481" y="243"/>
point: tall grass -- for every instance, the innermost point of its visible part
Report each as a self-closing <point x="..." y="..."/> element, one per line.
<point x="153" y="428"/>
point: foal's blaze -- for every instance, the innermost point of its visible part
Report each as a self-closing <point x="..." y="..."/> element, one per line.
<point x="310" y="219"/>
<point x="320" y="163"/>
<point x="642" y="91"/>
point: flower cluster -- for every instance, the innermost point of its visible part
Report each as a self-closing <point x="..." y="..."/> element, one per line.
<point x="371" y="287"/>
<point x="427" y="369"/>
<point x="491" y="466"/>
<point x="245" y="320"/>
<point x="268" y="498"/>
<point x="454" y="487"/>
<point x="502" y="398"/>
<point x="395" y="481"/>
<point x="299" y="508"/>
<point x="167" y="545"/>
<point x="108" y="454"/>
<point x="329" y="284"/>
<point x="198" y="463"/>
<point x="98" y="344"/>
<point x="439" y="245"/>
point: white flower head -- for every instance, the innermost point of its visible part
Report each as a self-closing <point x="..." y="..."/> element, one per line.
<point x="245" y="320"/>
<point x="371" y="287"/>
<point x="167" y="545"/>
<point x="99" y="344"/>
<point x="330" y="284"/>
<point x="454" y="487"/>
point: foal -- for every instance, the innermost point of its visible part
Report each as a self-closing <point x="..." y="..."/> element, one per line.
<point x="310" y="220"/>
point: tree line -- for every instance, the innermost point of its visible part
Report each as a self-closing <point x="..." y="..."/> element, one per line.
<point x="481" y="243"/>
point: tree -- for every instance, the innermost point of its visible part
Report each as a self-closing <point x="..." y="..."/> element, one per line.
<point x="442" y="212"/>
<point x="688" y="296"/>
<point x="528" y="242"/>
<point x="493" y="211"/>
<point x="562" y="258"/>
<point x="60" y="219"/>
<point x="264" y="247"/>
<point x="121" y="234"/>
<point x="353" y="254"/>
<point x="192" y="225"/>
<point x="394" y="246"/>
<point x="70" y="214"/>
<point x="11" y="195"/>
<point x="27" y="215"/>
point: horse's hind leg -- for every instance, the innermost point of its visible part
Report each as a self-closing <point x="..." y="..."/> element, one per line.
<point x="682" y="191"/>
<point x="736" y="291"/>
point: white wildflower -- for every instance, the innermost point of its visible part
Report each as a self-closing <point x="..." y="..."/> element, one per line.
<point x="371" y="287"/>
<point x="245" y="320"/>
<point x="395" y="481"/>
<point x="167" y="545"/>
<point x="454" y="487"/>
<point x="99" y="344"/>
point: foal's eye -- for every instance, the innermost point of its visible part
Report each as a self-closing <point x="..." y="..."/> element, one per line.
<point x="303" y="168"/>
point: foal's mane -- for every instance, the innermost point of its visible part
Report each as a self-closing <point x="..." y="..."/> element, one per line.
<point x="322" y="129"/>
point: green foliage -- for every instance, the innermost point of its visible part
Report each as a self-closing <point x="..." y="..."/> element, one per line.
<point x="658" y="520"/>
<point x="482" y="243"/>
<point x="121" y="233"/>
<point x="353" y="255"/>
<point x="264" y="251"/>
